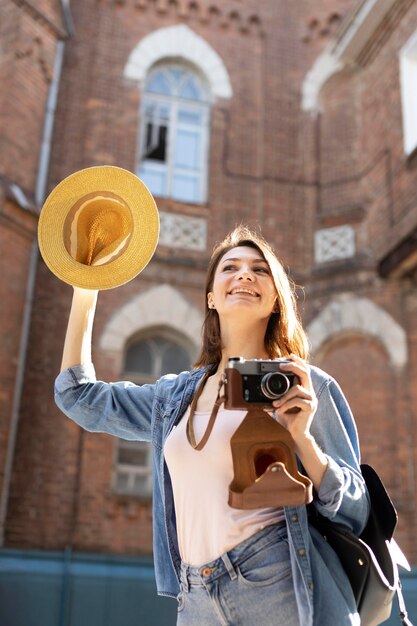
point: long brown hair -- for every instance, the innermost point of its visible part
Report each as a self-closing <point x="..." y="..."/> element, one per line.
<point x="284" y="334"/>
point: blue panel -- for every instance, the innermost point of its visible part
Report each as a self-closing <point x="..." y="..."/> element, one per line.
<point x="64" y="589"/>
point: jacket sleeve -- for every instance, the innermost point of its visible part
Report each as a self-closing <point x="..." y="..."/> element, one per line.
<point x="122" y="409"/>
<point x="343" y="496"/>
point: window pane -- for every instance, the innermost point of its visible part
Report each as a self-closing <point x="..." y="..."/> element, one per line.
<point x="155" y="142"/>
<point x="186" y="188"/>
<point x="187" y="149"/>
<point x="189" y="117"/>
<point x="133" y="453"/>
<point x="122" y="482"/>
<point x="159" y="84"/>
<point x="139" y="358"/>
<point x="157" y="111"/>
<point x="175" y="360"/>
<point x="176" y="74"/>
<point x="141" y="485"/>
<point x="154" y="177"/>
<point x="191" y="90"/>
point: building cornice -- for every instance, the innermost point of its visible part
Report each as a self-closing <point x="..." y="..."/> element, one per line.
<point x="38" y="16"/>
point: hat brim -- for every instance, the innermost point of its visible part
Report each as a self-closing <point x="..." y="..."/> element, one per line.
<point x="142" y="243"/>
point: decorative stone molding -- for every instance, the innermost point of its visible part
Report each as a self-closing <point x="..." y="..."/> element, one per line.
<point x="348" y="313"/>
<point x="325" y="66"/>
<point x="183" y="231"/>
<point x="323" y="27"/>
<point x="175" y="42"/>
<point x="159" y="306"/>
<point x="345" y="50"/>
<point x="408" y="81"/>
<point x="335" y="243"/>
<point x="217" y="14"/>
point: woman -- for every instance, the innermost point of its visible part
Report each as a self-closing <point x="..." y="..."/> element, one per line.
<point x="224" y="565"/>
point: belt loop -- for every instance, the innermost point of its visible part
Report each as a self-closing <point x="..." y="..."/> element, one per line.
<point x="184" y="578"/>
<point x="229" y="566"/>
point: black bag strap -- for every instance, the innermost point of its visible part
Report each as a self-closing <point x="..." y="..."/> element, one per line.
<point x="401" y="605"/>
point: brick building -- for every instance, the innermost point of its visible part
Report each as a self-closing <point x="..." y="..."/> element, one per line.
<point x="298" y="118"/>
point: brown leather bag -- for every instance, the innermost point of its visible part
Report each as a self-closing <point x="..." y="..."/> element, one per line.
<point x="264" y="461"/>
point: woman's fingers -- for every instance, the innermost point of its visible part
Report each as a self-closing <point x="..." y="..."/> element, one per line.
<point x="296" y="408"/>
<point x="305" y="403"/>
<point x="298" y="367"/>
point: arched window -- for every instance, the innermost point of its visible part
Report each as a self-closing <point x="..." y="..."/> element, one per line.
<point x="174" y="133"/>
<point x="146" y="359"/>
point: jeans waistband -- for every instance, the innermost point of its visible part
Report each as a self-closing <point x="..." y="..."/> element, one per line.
<point x="225" y="563"/>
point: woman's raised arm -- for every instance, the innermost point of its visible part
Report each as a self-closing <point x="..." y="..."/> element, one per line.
<point x="77" y="345"/>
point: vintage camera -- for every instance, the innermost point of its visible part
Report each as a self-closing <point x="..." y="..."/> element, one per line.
<point x="256" y="381"/>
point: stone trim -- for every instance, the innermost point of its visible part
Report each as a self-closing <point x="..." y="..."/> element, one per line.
<point x="179" y="41"/>
<point x="183" y="231"/>
<point x="343" y="53"/>
<point x="337" y="242"/>
<point x="348" y="313"/>
<point x="158" y="306"/>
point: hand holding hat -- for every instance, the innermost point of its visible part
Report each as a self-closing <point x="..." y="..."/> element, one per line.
<point x="98" y="228"/>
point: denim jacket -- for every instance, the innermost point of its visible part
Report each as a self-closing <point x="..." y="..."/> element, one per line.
<point x="149" y="412"/>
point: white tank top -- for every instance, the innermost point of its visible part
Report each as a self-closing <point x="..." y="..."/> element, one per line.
<point x="207" y="526"/>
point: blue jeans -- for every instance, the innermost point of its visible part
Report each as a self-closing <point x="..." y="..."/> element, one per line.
<point x="252" y="584"/>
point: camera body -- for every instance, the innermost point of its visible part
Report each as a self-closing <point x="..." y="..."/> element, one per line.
<point x="257" y="382"/>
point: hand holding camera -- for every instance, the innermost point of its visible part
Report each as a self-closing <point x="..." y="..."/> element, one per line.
<point x="295" y="410"/>
<point x="284" y="385"/>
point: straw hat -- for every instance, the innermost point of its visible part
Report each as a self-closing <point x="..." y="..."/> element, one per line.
<point x="98" y="228"/>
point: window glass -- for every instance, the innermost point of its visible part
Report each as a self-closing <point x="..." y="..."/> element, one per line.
<point x="159" y="83"/>
<point x="187" y="149"/>
<point x="132" y="454"/>
<point x="190" y="90"/>
<point x="176" y="74"/>
<point x="139" y="358"/>
<point x="189" y="117"/>
<point x="185" y="188"/>
<point x="175" y="359"/>
<point x="154" y="177"/>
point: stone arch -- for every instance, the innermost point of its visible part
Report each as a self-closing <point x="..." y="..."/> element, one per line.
<point x="361" y="315"/>
<point x="159" y="306"/>
<point x="175" y="42"/>
<point x="324" y="67"/>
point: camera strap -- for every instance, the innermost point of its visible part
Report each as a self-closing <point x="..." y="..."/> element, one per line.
<point x="190" y="422"/>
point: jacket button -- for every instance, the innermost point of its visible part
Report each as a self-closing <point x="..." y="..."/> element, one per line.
<point x="301" y="552"/>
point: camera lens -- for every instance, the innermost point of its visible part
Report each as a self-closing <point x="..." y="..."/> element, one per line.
<point x="274" y="385"/>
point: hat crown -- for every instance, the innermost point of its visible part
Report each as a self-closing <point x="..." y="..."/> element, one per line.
<point x="97" y="229"/>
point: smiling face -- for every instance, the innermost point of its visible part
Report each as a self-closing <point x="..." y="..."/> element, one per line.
<point x="243" y="284"/>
